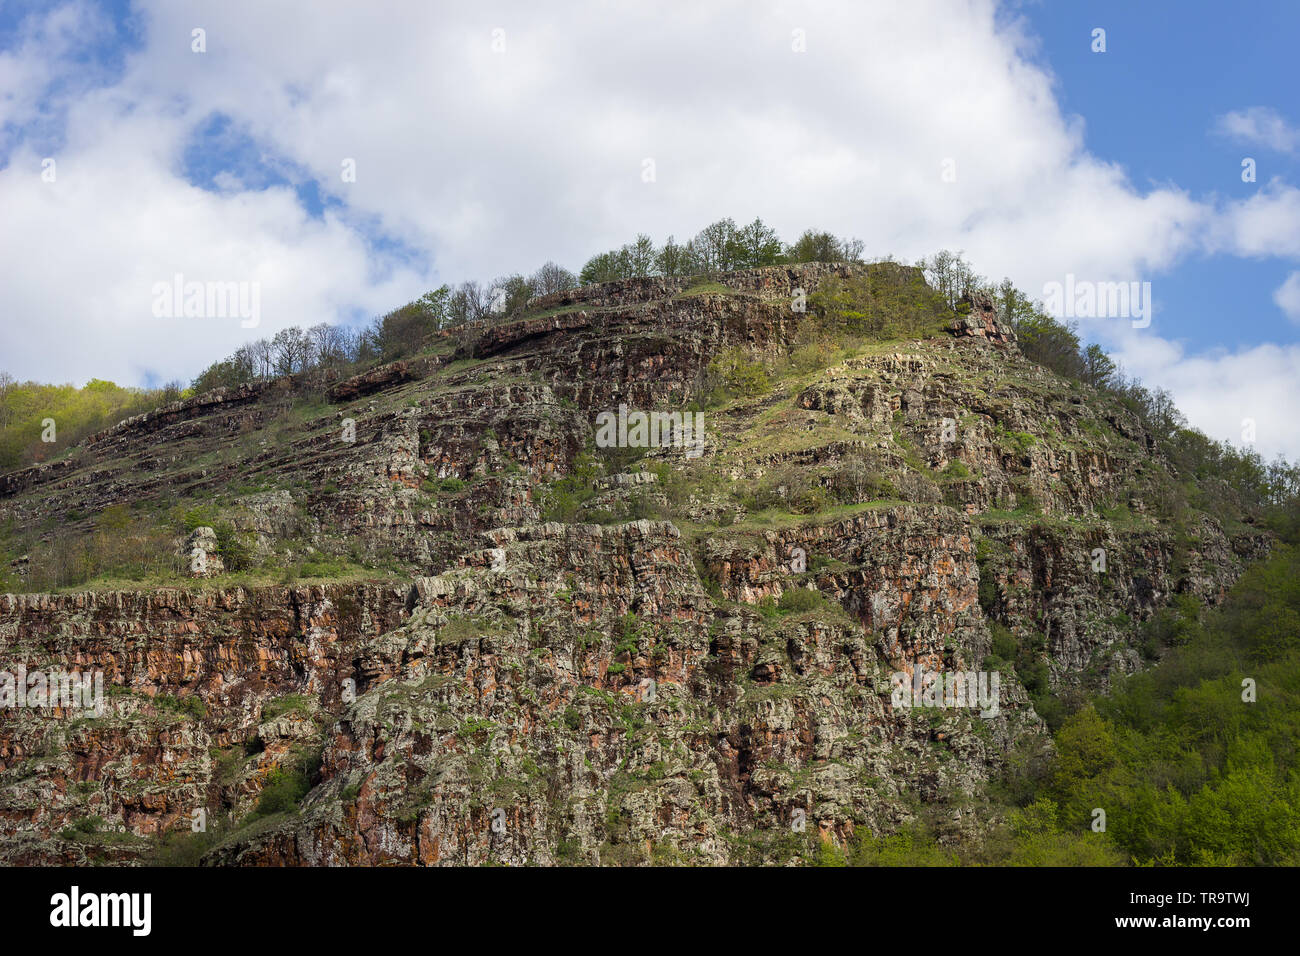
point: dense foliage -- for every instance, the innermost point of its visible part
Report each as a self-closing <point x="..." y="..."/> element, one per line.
<point x="40" y="422"/>
<point x="721" y="246"/>
<point x="1195" y="761"/>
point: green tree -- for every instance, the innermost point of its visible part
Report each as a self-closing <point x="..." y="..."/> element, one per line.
<point x="717" y="246"/>
<point x="815" y="246"/>
<point x="1097" y="366"/>
<point x="673" y="259"/>
<point x="606" y="267"/>
<point x="756" y="245"/>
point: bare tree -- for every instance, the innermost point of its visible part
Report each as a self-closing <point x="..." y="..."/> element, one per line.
<point x="851" y="249"/>
<point x="952" y="276"/>
<point x="263" y="356"/>
<point x="329" y="344"/>
<point x="291" y="348"/>
<point x="244" y="362"/>
<point x="508" y="294"/>
<point x="470" y="302"/>
<point x="552" y="278"/>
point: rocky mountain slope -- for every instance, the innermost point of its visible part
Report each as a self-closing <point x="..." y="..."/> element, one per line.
<point x="507" y="644"/>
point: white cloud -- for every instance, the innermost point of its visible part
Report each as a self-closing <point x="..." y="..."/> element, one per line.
<point x="1266" y="224"/>
<point x="1260" y="126"/>
<point x="1287" y="297"/>
<point x="41" y="52"/>
<point x="1219" y="391"/>
<point x="83" y="253"/>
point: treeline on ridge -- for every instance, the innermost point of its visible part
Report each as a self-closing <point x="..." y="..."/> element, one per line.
<point x="884" y="303"/>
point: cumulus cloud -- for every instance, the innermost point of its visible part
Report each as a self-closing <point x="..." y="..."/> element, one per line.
<point x="84" y="252"/>
<point x="42" y="53"/>
<point x="1221" y="391"/>
<point x="1266" y="224"/>
<point x="1260" y="126"/>
<point x="1287" y="297"/>
<point x="491" y="140"/>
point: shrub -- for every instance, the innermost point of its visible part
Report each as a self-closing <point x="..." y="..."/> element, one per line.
<point x="190" y="705"/>
<point x="801" y="600"/>
<point x="1004" y="642"/>
<point x="889" y="301"/>
<point x="788" y="489"/>
<point x="182" y="847"/>
<point x="87" y="826"/>
<point x="737" y="375"/>
<point x="285" y="705"/>
<point x="287" y="785"/>
<point x="203" y="516"/>
<point x="282" y="792"/>
<point x="234" y="553"/>
<point x="857" y="481"/>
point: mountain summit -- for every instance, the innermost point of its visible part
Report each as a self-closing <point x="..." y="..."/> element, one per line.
<point x="423" y="615"/>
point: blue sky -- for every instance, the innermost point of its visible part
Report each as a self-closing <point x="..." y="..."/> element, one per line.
<point x="1149" y="103"/>
<point x="476" y="158"/>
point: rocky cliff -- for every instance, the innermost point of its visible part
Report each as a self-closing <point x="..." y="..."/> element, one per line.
<point x="541" y="651"/>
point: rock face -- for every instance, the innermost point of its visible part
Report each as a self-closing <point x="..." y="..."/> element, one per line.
<point x="716" y="685"/>
<point x="978" y="316"/>
<point x="367" y="383"/>
<point x="202" y="553"/>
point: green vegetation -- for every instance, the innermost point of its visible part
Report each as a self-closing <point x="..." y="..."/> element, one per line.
<point x="234" y="553"/>
<point x="86" y="826"/>
<point x="736" y="376"/>
<point x="182" y="848"/>
<point x="121" y="543"/>
<point x="802" y="601"/>
<point x="141" y="546"/>
<point x="562" y="499"/>
<point x="288" y="784"/>
<point x="910" y="846"/>
<point x="459" y="629"/>
<point x="721" y="246"/>
<point x="1193" y="762"/>
<point x="706" y="288"/>
<point x="39" y="423"/>
<point x="889" y="301"/>
<point x="288" y="704"/>
<point x="191" y="705"/>
<point x="1188" y="769"/>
